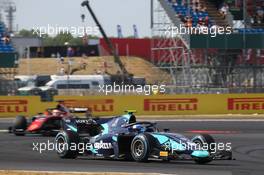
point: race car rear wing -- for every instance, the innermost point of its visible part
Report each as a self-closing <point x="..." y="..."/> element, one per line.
<point x="130" y="111"/>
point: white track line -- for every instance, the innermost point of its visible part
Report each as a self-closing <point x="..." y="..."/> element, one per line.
<point x="74" y="172"/>
<point x="3" y="130"/>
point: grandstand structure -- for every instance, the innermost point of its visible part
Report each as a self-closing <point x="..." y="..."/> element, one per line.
<point x="205" y="64"/>
<point x="8" y="56"/>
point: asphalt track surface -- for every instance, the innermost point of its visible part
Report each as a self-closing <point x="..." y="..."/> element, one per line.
<point x="246" y="137"/>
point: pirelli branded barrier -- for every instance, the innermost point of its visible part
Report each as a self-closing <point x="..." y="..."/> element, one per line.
<point x="145" y="105"/>
<point x="11" y="106"/>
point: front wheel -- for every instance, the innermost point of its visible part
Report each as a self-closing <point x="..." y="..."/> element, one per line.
<point x="64" y="141"/>
<point x="140" y="148"/>
<point x="20" y="126"/>
<point x="207" y="143"/>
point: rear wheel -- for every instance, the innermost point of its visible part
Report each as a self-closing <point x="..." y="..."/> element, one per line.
<point x="140" y="148"/>
<point x="207" y="143"/>
<point x="64" y="141"/>
<point x="20" y="126"/>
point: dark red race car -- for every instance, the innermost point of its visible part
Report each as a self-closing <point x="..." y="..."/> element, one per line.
<point x="47" y="123"/>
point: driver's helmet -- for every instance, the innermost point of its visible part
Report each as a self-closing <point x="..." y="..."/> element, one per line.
<point x="56" y="112"/>
<point x="46" y="113"/>
<point x="138" y="127"/>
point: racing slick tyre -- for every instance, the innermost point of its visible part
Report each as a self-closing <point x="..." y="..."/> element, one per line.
<point x="63" y="141"/>
<point x="20" y="126"/>
<point x="206" y="142"/>
<point x="140" y="148"/>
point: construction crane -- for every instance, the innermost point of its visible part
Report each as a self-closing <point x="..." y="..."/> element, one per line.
<point x="125" y="76"/>
<point x="8" y="6"/>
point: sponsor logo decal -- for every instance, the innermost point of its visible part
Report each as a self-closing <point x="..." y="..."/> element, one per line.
<point x="101" y="105"/>
<point x="236" y="104"/>
<point x="164" y="154"/>
<point x="13" y="106"/>
<point x="83" y="121"/>
<point x="102" y="145"/>
<point x="186" y="104"/>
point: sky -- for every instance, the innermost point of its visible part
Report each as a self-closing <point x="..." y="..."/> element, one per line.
<point x="66" y="13"/>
